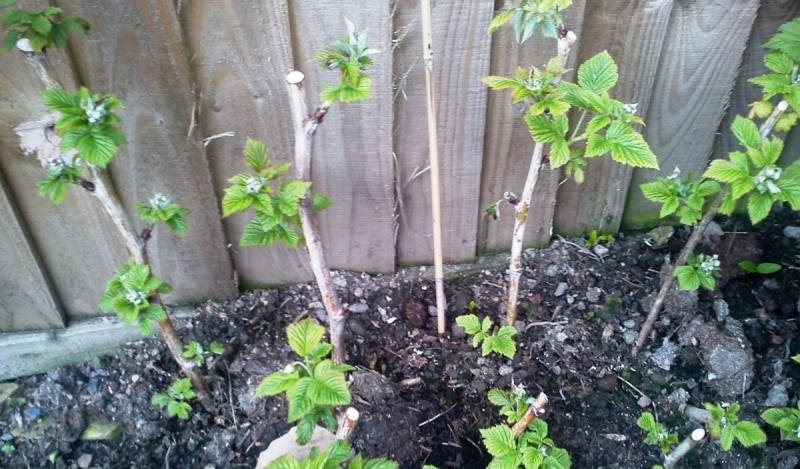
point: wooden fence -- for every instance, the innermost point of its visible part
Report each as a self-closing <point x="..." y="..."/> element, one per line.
<point x="190" y="70"/>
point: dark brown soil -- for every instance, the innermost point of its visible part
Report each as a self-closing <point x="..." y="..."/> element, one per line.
<point x="579" y="313"/>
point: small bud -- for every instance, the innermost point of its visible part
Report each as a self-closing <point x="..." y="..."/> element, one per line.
<point x="511" y="197"/>
<point x="289" y="369"/>
<point x="88" y="185"/>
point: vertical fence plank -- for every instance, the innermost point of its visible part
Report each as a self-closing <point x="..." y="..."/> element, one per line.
<point x="353" y="148"/>
<point x="633" y="32"/>
<point x="240" y="54"/>
<point x="771" y="15"/>
<point x="508" y="145"/>
<point x="27" y="301"/>
<point x="461" y="59"/>
<point x="139" y="56"/>
<point x="699" y="65"/>
<point x="76" y="244"/>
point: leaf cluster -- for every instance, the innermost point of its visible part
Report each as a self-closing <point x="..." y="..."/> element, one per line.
<point x="726" y="426"/>
<point x="500" y="341"/>
<point x="530" y="14"/>
<point x="513" y="404"/>
<point x="129" y="294"/>
<point x="699" y="270"/>
<point x="609" y="129"/>
<point x="532" y="450"/>
<point x="87" y="124"/>
<point x="161" y="208"/>
<point x="176" y="399"/>
<point x="684" y="198"/>
<point x="195" y="352"/>
<point x="334" y="457"/>
<point x="755" y="173"/>
<point x="39" y="27"/>
<point x="594" y="238"/>
<point x="313" y="386"/>
<point x="787" y="419"/>
<point x="60" y="173"/>
<point x="782" y="80"/>
<point x="276" y="209"/>
<point x="351" y="56"/>
<point x="656" y="433"/>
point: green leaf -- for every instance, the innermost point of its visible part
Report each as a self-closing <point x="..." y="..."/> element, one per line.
<point x="289" y="195"/>
<point x="305" y="429"/>
<point x="93" y="146"/>
<point x="277" y="383"/>
<point x="59" y="100"/>
<point x="256" y="155"/>
<point x="558" y="458"/>
<point x="299" y="403"/>
<point x="500" y="19"/>
<point x="629" y="147"/>
<point x="284" y="462"/>
<point x="559" y="154"/>
<point x="647" y="422"/>
<point x="758" y="206"/>
<point x="160" y="399"/>
<point x="236" y="199"/>
<point x="746" y="131"/>
<point x="787" y="39"/>
<point x="503" y="342"/>
<point x="329" y="388"/>
<point x="726" y="171"/>
<point x="499" y="440"/>
<point x="304" y="336"/>
<point x="321" y="202"/>
<point x="779" y="62"/>
<point x="598" y="74"/>
<point x="470" y="323"/>
<point x="547" y="130"/>
<point x="498" y="398"/>
<point x="749" y="434"/>
<point x="688" y="278"/>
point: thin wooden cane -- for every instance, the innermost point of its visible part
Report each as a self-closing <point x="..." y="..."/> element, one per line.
<point x="427" y="39"/>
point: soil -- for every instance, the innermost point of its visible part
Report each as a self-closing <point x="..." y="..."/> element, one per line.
<point x="423" y="398"/>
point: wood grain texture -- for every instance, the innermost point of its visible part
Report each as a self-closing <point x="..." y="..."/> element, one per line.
<point x="140" y="59"/>
<point x="508" y="145"/>
<point x="461" y="58"/>
<point x="353" y="162"/>
<point x="633" y="32"/>
<point x="27" y="300"/>
<point x="771" y="15"/>
<point x="76" y="244"/>
<point x="240" y="53"/>
<point x="702" y="53"/>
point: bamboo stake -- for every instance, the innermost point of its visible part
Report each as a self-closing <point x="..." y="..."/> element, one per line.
<point x="691" y="243"/>
<point x="433" y="146"/>
<point x="305" y="127"/>
<point x="102" y="189"/>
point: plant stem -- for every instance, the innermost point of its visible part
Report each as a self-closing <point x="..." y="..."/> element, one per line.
<point x="684" y="447"/>
<point x="536" y="409"/>
<point x="347" y="423"/>
<point x="691" y="243"/>
<point x="102" y="189"/>
<point x="305" y="127"/>
<point x="565" y="41"/>
<point x="433" y="149"/>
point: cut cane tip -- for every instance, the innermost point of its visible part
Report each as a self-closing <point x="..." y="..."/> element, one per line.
<point x="295" y="77"/>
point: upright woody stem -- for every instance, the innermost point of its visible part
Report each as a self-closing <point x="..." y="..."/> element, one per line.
<point x="697" y="233"/>
<point x="305" y="127"/>
<point x="102" y="189"/>
<point x="522" y="205"/>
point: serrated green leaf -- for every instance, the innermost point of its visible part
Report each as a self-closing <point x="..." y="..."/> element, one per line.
<point x="558" y="458"/>
<point x="276" y="383"/>
<point x="499" y="19"/>
<point x="499" y="441"/>
<point x="470" y="323"/>
<point x="787" y="39"/>
<point x="544" y="129"/>
<point x="628" y="147"/>
<point x="58" y="99"/>
<point x="758" y="206"/>
<point x="256" y="155"/>
<point x="746" y="132"/>
<point x="687" y="278"/>
<point x="321" y="202"/>
<point x="749" y="434"/>
<point x="532" y="458"/>
<point x="304" y="336"/>
<point x="329" y="388"/>
<point x="598" y="74"/>
<point x="236" y="199"/>
<point x="284" y="462"/>
<point x="299" y="403"/>
<point x="498" y="398"/>
<point x="647" y="422"/>
<point x="726" y="171"/>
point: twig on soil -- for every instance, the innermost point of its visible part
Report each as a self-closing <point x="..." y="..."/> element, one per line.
<point x="436" y="416"/>
<point x="230" y="397"/>
<point x="411" y="381"/>
<point x="546" y="323"/>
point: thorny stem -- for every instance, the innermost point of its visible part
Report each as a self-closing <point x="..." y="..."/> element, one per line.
<point x="684" y="447"/>
<point x="565" y="41"/>
<point x="305" y="127"/>
<point x="691" y="243"/>
<point x="535" y="410"/>
<point x="102" y="190"/>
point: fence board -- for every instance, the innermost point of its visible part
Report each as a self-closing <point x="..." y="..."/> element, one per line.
<point x="239" y="64"/>
<point x="461" y="59"/>
<point x="702" y="54"/>
<point x="353" y="150"/>
<point x="75" y="243"/>
<point x="633" y="32"/>
<point x="508" y="145"/>
<point x="26" y="298"/>
<point x="141" y="61"/>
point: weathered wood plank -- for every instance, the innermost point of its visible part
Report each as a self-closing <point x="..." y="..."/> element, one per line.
<point x="702" y="53"/>
<point x="27" y="300"/>
<point x="633" y="32"/>
<point x="139" y="57"/>
<point x="508" y="145"/>
<point x="461" y="59"/>
<point x="75" y="242"/>
<point x="240" y="55"/>
<point x="353" y="162"/>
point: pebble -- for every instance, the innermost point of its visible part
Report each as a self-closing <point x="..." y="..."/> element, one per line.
<point x="32" y="413"/>
<point x="357" y="328"/>
<point x="505" y="370"/>
<point x="84" y="460"/>
<point x="644" y="401"/>
<point x="629" y="324"/>
<point x="457" y="332"/>
<point x="792" y="232"/>
<point x="552" y="270"/>
<point x="777" y="396"/>
<point x="561" y="289"/>
<point x="593" y="295"/>
<point x="629" y="336"/>
<point x="600" y="250"/>
<point x="358" y="308"/>
<point x="721" y="309"/>
<point x="665" y="356"/>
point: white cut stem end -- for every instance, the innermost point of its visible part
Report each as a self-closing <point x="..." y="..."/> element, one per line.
<point x="347" y="422"/>
<point x="684" y="447"/>
<point x="295" y="77"/>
